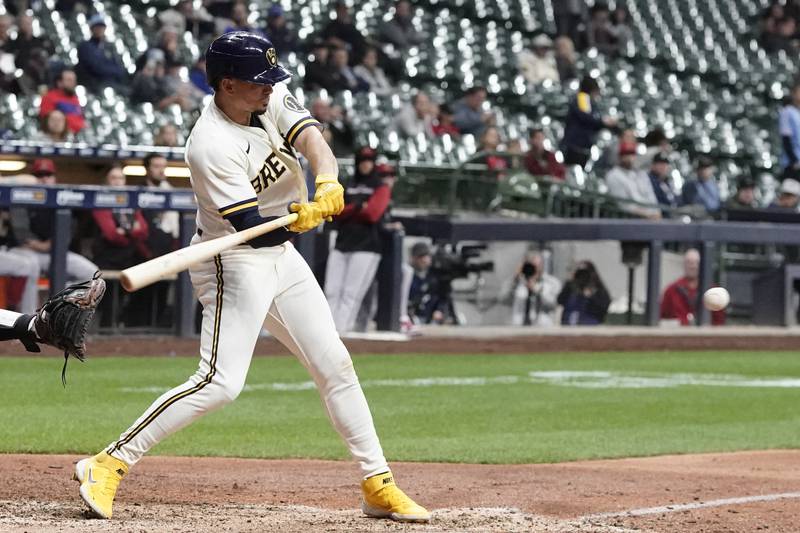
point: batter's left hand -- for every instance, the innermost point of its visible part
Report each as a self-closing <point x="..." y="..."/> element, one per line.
<point x="329" y="195"/>
<point x="309" y="216"/>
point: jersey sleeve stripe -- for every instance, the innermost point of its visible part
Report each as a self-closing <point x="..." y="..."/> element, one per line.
<point x="238" y="206"/>
<point x="299" y="126"/>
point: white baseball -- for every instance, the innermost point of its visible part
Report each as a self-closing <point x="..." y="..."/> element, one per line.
<point x="716" y="299"/>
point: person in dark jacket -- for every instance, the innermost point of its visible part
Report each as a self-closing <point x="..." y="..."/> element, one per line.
<point x="98" y="66"/>
<point x="662" y="183"/>
<point x="353" y="262"/>
<point x="703" y="190"/>
<point x="582" y="124"/>
<point x="541" y="162"/>
<point x="584" y="297"/>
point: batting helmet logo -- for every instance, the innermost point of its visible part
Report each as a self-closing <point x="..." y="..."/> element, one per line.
<point x="272" y="57"/>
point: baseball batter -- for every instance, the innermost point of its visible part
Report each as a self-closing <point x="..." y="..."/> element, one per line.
<point x="245" y="171"/>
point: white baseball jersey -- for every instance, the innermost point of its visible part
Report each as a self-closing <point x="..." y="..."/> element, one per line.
<point x="237" y="167"/>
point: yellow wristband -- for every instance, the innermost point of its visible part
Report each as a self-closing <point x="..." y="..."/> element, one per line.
<point x="326" y="178"/>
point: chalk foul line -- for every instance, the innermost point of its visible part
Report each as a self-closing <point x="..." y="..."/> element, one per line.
<point x="676" y="508"/>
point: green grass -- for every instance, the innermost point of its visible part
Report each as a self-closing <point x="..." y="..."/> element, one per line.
<point x="519" y="422"/>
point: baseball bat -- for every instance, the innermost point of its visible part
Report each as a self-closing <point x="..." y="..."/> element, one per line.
<point x="147" y="273"/>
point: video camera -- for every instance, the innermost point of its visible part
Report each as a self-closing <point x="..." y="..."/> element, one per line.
<point x="448" y="265"/>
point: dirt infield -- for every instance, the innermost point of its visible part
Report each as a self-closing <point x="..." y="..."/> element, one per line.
<point x="745" y="491"/>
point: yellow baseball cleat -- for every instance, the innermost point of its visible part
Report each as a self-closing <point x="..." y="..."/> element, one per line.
<point x="384" y="499"/>
<point x="99" y="477"/>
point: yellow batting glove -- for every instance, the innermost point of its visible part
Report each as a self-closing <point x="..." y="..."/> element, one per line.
<point x="309" y="216"/>
<point x="329" y="195"/>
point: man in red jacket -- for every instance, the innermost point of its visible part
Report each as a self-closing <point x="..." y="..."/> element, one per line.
<point x="63" y="98"/>
<point x="680" y="298"/>
<point x="541" y="162"/>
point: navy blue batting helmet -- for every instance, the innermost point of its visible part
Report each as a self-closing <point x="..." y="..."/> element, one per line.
<point x="244" y="56"/>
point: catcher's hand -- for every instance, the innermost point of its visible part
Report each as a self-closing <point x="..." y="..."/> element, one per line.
<point x="64" y="319"/>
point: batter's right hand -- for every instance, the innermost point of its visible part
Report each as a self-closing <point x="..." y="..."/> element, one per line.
<point x="309" y="216"/>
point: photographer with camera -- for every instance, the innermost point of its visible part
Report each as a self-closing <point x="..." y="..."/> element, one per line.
<point x="584" y="297"/>
<point x="533" y="293"/>
<point x="424" y="303"/>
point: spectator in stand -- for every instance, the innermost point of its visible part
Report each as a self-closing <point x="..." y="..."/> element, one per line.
<point x="354" y="260"/>
<point x="54" y="129"/>
<point x="789" y="130"/>
<point x="166" y="51"/>
<point x="8" y="79"/>
<point x="425" y="302"/>
<point x="620" y="28"/>
<point x="445" y="123"/>
<point x="151" y="85"/>
<point x="626" y="182"/>
<point x="189" y="97"/>
<point x="373" y="75"/>
<point x="784" y="39"/>
<point x="582" y="124"/>
<point x="197" y="75"/>
<point x="184" y="17"/>
<point x="679" y="300"/>
<point x="282" y="35"/>
<point x="98" y="66"/>
<point x="704" y="189"/>
<point x="788" y="196"/>
<point x="470" y="118"/>
<point x="318" y="68"/>
<point x="63" y="98"/>
<point x="72" y="6"/>
<point x="26" y="45"/>
<point x="540" y="161"/>
<point x="584" y="297"/>
<point x="773" y="14"/>
<point x="399" y="31"/>
<point x="342" y="32"/>
<point x="416" y="117"/>
<point x="490" y="143"/>
<point x="662" y="183"/>
<point x="123" y="232"/>
<point x="566" y="62"/>
<point x="6" y="22"/>
<point x="540" y="64"/>
<point x="745" y="197"/>
<point x="610" y="156"/>
<point x="600" y="32"/>
<point x="33" y="230"/>
<point x="240" y="17"/>
<point x="336" y="123"/>
<point x="534" y="293"/>
<point x="655" y="142"/>
<point x="570" y="18"/>
<point x="164" y="226"/>
<point x="167" y="135"/>
<point x="342" y="77"/>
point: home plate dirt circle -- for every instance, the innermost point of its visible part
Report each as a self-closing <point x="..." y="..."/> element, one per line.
<point x="743" y="491"/>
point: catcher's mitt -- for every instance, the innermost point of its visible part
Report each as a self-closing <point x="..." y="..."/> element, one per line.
<point x="64" y="319"/>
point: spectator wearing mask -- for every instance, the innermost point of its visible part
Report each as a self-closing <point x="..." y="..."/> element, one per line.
<point x="341" y="32"/>
<point x="534" y="294"/>
<point x="626" y="182"/>
<point x="788" y="196"/>
<point x="662" y="183"/>
<point x="98" y="66"/>
<point x="704" y="189"/>
<point x="469" y="115"/>
<point x="417" y="117"/>
<point x="679" y="300"/>
<point x="582" y="124"/>
<point x="373" y="75"/>
<point x="445" y="123"/>
<point x="539" y="64"/>
<point x="336" y="124"/>
<point x="33" y="230"/>
<point x="123" y="232"/>
<point x="789" y="130"/>
<point x="566" y="62"/>
<point x="542" y="162"/>
<point x="399" y="31"/>
<point x="318" y="68"/>
<point x="584" y="297"/>
<point x="354" y="260"/>
<point x="63" y="98"/>
<point x="54" y="129"/>
<point x="282" y="35"/>
<point x="425" y="302"/>
<point x="745" y="197"/>
<point x="240" y="16"/>
<point x="342" y="77"/>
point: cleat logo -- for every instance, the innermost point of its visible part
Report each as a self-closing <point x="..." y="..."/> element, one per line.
<point x="388" y="480"/>
<point x="91" y="478"/>
<point x="120" y="471"/>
